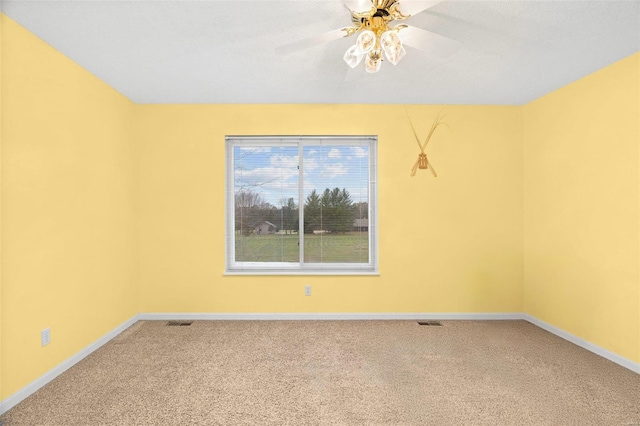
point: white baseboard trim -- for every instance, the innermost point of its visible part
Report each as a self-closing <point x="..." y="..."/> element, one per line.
<point x="19" y="396"/>
<point x="14" y="399"/>
<point x="329" y="316"/>
<point x="624" y="362"/>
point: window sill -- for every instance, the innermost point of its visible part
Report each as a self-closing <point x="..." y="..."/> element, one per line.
<point x="301" y="273"/>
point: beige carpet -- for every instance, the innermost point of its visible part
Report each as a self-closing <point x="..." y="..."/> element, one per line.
<point x="337" y="373"/>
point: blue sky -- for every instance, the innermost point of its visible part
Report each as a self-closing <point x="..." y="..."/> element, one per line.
<point x="273" y="171"/>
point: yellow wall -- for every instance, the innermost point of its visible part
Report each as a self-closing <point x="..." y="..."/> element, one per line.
<point x="581" y="211"/>
<point x="68" y="207"/>
<point x="447" y="244"/>
<point x="110" y="209"/>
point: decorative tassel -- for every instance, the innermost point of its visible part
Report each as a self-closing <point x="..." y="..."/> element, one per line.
<point x="423" y="162"/>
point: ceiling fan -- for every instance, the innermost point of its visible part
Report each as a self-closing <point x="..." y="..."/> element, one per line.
<point x="372" y="20"/>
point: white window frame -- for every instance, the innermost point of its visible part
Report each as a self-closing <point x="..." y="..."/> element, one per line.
<point x="232" y="267"/>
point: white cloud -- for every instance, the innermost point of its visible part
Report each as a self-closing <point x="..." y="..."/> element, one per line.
<point x="284" y="188"/>
<point x="255" y="149"/>
<point x="358" y="151"/>
<point x="280" y="160"/>
<point x="334" y="153"/>
<point x="274" y="173"/>
<point x="310" y="164"/>
<point x="334" y="170"/>
<point x="272" y="183"/>
<point x="265" y="175"/>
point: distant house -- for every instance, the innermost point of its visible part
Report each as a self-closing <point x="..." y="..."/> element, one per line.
<point x="264" y="228"/>
<point x="361" y="225"/>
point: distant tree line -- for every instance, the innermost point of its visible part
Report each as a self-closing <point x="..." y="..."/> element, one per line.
<point x="331" y="211"/>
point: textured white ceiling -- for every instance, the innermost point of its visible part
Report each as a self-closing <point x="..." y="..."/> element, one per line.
<point x="222" y="51"/>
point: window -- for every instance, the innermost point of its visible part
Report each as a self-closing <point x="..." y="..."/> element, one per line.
<point x="301" y="204"/>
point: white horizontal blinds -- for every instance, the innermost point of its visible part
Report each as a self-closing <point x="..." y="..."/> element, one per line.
<point x="336" y="202"/>
<point x="301" y="204"/>
<point x="265" y="203"/>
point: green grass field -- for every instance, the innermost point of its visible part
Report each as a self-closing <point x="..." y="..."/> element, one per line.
<point x="352" y="247"/>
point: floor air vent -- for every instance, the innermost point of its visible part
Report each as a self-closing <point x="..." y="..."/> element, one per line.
<point x="432" y="323"/>
<point x="180" y="323"/>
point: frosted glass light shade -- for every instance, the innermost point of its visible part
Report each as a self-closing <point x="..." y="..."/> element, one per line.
<point x="373" y="61"/>
<point x="366" y="41"/>
<point x="392" y="46"/>
<point x="353" y="56"/>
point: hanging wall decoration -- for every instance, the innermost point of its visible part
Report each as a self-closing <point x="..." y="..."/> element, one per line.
<point x="423" y="162"/>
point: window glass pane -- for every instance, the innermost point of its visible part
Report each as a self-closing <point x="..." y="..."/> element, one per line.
<point x="280" y="186"/>
<point x="266" y="203"/>
<point x="336" y="203"/>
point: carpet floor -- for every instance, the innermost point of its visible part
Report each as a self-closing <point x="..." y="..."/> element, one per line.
<point x="336" y="373"/>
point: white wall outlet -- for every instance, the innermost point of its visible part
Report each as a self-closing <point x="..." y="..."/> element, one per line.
<point x="45" y="336"/>
<point x="307" y="290"/>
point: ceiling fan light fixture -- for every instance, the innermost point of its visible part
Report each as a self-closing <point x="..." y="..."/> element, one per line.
<point x="366" y="41"/>
<point x="353" y="56"/>
<point x="392" y="46"/>
<point x="376" y="27"/>
<point x="373" y="61"/>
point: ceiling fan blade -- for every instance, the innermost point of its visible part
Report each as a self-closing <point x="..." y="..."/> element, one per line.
<point x="354" y="74"/>
<point x="312" y="41"/>
<point x="432" y="43"/>
<point x="358" y="5"/>
<point x="411" y="7"/>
